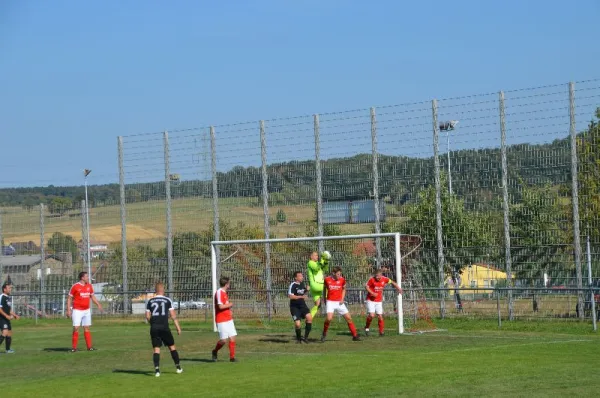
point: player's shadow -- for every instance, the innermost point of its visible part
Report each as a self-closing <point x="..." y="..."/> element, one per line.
<point x="57" y="349"/>
<point x="276" y="338"/>
<point x="205" y="360"/>
<point x="134" y="372"/>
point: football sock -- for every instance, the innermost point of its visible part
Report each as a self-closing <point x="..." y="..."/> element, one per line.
<point x="8" y="342"/>
<point x="380" y="324"/>
<point x="368" y="324"/>
<point x="88" y="338"/>
<point x="307" y="330"/>
<point x="175" y="356"/>
<point x="325" y="327"/>
<point x="1" y="339"/>
<point x="231" y="349"/>
<point x="313" y="311"/>
<point x="352" y="328"/>
<point x="298" y="334"/>
<point x="156" y="360"/>
<point x="75" y="339"/>
<point x="219" y="345"/>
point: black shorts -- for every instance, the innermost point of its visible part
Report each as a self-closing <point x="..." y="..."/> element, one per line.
<point x="160" y="337"/>
<point x="4" y="324"/>
<point x="299" y="313"/>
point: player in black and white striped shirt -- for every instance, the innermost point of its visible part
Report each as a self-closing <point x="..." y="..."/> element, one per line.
<point x="298" y="308"/>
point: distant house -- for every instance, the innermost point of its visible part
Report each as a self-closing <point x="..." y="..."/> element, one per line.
<point x="25" y="248"/>
<point x="8" y="250"/>
<point x="482" y="277"/>
<point x="25" y="269"/>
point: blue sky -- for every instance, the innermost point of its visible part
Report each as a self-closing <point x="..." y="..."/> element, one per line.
<point x="74" y="75"/>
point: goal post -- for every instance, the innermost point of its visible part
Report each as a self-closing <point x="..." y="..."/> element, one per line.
<point x="247" y="257"/>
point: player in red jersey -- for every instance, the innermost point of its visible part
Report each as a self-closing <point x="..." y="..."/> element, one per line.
<point x="335" y="292"/>
<point x="79" y="297"/>
<point x="375" y="286"/>
<point x="224" y="320"/>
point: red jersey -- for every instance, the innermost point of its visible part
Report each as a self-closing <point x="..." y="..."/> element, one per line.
<point x="81" y="295"/>
<point x="377" y="286"/>
<point x="222" y="315"/>
<point x="334" y="288"/>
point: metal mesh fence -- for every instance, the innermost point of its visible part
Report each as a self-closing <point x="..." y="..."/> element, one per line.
<point x="491" y="191"/>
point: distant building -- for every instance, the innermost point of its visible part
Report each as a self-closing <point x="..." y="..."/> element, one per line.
<point x="482" y="277"/>
<point x="352" y="212"/>
<point x="97" y="249"/>
<point x="8" y="250"/>
<point x="25" y="269"/>
<point x="25" y="248"/>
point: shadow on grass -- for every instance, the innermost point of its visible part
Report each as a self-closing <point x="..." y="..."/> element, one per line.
<point x="275" y="339"/>
<point x="134" y="372"/>
<point x="197" y="360"/>
<point x="57" y="349"/>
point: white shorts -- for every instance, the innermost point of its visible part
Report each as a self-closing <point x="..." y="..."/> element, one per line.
<point x="333" y="306"/>
<point x="82" y="317"/>
<point x="226" y="330"/>
<point x="374" y="307"/>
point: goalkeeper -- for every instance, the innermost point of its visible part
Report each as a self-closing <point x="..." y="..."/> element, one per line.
<point x="316" y="277"/>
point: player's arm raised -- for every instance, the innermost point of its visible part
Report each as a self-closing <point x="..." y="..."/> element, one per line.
<point x="175" y="320"/>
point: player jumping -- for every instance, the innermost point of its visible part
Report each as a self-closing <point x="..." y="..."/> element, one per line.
<point x="375" y="286"/>
<point x="316" y="274"/>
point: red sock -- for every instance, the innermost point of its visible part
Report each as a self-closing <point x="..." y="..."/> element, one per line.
<point x="75" y="339"/>
<point x="352" y="328"/>
<point x="219" y="345"/>
<point x="231" y="349"/>
<point x="380" y="323"/>
<point x="88" y="338"/>
<point x="325" y="327"/>
<point x="369" y="319"/>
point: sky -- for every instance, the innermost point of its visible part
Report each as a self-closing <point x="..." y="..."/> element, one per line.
<point x="74" y="75"/>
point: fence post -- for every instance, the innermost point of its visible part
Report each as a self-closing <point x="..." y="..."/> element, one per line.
<point x="125" y="285"/>
<point x="169" y="226"/>
<point x="320" y="228"/>
<point x="215" y="191"/>
<point x="575" y="199"/>
<point x="265" y="199"/>
<point x="438" y="207"/>
<point x="590" y="282"/>
<point x="505" y="207"/>
<point x="42" y="260"/>
<point x="376" y="184"/>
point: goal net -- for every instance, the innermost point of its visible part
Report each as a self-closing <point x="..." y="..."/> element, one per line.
<point x="261" y="271"/>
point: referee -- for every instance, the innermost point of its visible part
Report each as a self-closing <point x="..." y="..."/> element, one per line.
<point x="298" y="308"/>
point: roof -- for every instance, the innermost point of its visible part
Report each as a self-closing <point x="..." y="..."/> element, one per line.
<point x="20" y="260"/>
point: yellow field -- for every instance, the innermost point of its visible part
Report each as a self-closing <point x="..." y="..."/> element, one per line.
<point x="146" y="222"/>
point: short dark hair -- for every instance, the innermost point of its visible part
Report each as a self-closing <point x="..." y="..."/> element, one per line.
<point x="223" y="281"/>
<point x="5" y="285"/>
<point x="336" y="269"/>
<point x="296" y="274"/>
<point x="82" y="274"/>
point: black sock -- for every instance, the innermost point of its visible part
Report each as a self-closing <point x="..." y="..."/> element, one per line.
<point x="8" y="342"/>
<point x="156" y="359"/>
<point x="175" y="356"/>
<point x="1" y="339"/>
<point x="307" y="329"/>
<point x="298" y="334"/>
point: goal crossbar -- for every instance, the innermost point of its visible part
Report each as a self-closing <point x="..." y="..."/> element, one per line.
<point x="398" y="258"/>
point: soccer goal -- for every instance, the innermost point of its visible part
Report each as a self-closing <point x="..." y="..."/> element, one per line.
<point x="261" y="271"/>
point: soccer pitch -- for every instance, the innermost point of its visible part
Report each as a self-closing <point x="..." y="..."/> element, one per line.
<point x="469" y="358"/>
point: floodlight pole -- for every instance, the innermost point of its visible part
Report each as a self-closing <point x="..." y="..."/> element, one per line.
<point x="87" y="224"/>
<point x="449" y="172"/>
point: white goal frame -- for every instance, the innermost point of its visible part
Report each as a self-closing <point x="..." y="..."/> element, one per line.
<point x="395" y="235"/>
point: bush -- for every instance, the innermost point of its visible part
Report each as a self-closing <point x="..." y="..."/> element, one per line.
<point x="281" y="217"/>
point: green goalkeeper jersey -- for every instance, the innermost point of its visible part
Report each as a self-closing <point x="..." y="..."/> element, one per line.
<point x="316" y="274"/>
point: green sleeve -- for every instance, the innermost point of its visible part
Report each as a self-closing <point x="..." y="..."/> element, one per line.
<point x="324" y="264"/>
<point x="313" y="266"/>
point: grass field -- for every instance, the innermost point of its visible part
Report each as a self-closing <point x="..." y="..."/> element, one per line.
<point x="469" y="358"/>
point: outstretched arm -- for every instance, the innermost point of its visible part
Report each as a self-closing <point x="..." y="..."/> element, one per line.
<point x="398" y="288"/>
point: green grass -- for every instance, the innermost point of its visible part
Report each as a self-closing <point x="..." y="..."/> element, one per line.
<point x="470" y="358"/>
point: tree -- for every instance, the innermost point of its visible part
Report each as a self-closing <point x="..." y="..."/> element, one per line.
<point x="60" y="205"/>
<point x="588" y="152"/>
<point x="468" y="237"/>
<point x="539" y="238"/>
<point x="60" y="242"/>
